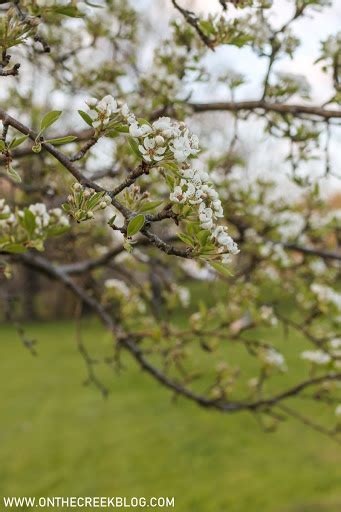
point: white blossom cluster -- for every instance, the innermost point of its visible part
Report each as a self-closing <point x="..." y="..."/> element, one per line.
<point x="127" y="296"/>
<point x="166" y="140"/>
<point x="256" y="27"/>
<point x="332" y="45"/>
<point x="292" y="80"/>
<point x="183" y="294"/>
<point x="273" y="358"/>
<point x="44" y="219"/>
<point x="316" y="357"/>
<point x="101" y="111"/>
<point x="276" y="252"/>
<point x="267" y="314"/>
<point x="194" y="189"/>
<point x="7" y="218"/>
<point x="327" y="295"/>
<point x="118" y="285"/>
<point x="332" y="354"/>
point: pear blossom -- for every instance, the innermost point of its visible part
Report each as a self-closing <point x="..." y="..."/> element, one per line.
<point x="272" y="357"/>
<point x="182" y="148"/>
<point x="139" y="131"/>
<point x="41" y="216"/>
<point x="327" y="294"/>
<point x="177" y="196"/>
<point x="118" y="285"/>
<point x="151" y="151"/>
<point x="101" y="111"/>
<point x="316" y="357"/>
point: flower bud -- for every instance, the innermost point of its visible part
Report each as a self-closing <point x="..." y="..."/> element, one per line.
<point x="90" y="215"/>
<point x="91" y="102"/>
<point x="77" y="187"/>
<point x="87" y="193"/>
<point x="159" y="140"/>
<point x="70" y="198"/>
<point x="103" y="205"/>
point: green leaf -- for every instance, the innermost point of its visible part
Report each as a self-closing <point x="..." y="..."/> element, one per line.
<point x="29" y="221"/>
<point x="170" y="181"/>
<point x="49" y="119"/>
<point x="37" y="147"/>
<point x="94" y="200"/>
<point x="37" y="244"/>
<point x="141" y="120"/>
<point x="14" y="248"/>
<point x="203" y="236"/>
<point x="171" y="166"/>
<point x="13" y="174"/>
<point x="85" y="117"/>
<point x="62" y="140"/>
<point x="221" y="269"/>
<point x="67" y="10"/>
<point x="112" y="134"/>
<point x="57" y="230"/>
<point x="134" y="146"/>
<point x="135" y="225"/>
<point x="66" y="207"/>
<point x="112" y="220"/>
<point x="17" y="141"/>
<point x="186" y="239"/>
<point x="2" y="145"/>
<point x="150" y="205"/>
<point x="121" y="128"/>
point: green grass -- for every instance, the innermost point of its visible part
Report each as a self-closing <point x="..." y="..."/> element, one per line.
<point x="60" y="438"/>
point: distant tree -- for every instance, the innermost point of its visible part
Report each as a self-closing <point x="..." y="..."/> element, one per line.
<point x="144" y="212"/>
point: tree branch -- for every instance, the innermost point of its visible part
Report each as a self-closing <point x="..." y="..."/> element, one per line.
<point x="267" y="106"/>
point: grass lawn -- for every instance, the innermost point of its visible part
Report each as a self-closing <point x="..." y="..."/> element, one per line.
<point x="60" y="438"/>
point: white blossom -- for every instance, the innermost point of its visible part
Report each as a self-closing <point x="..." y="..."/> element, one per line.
<point x="118" y="285"/>
<point x="327" y="294"/>
<point x="42" y="218"/>
<point x="151" y="151"/>
<point x="272" y="357"/>
<point x="316" y="357"/>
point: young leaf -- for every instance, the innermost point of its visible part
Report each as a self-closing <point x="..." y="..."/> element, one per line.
<point x="121" y="128"/>
<point x="49" y="119"/>
<point x="17" y="141"/>
<point x="186" y="239"/>
<point x="66" y="207"/>
<point x="29" y="221"/>
<point x="85" y="117"/>
<point x="2" y="145"/>
<point x="13" y="174"/>
<point x="112" y="134"/>
<point x="135" y="225"/>
<point x="150" y="205"/>
<point x="134" y="146"/>
<point x="221" y="269"/>
<point x="14" y="248"/>
<point x="67" y="10"/>
<point x="62" y="140"/>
